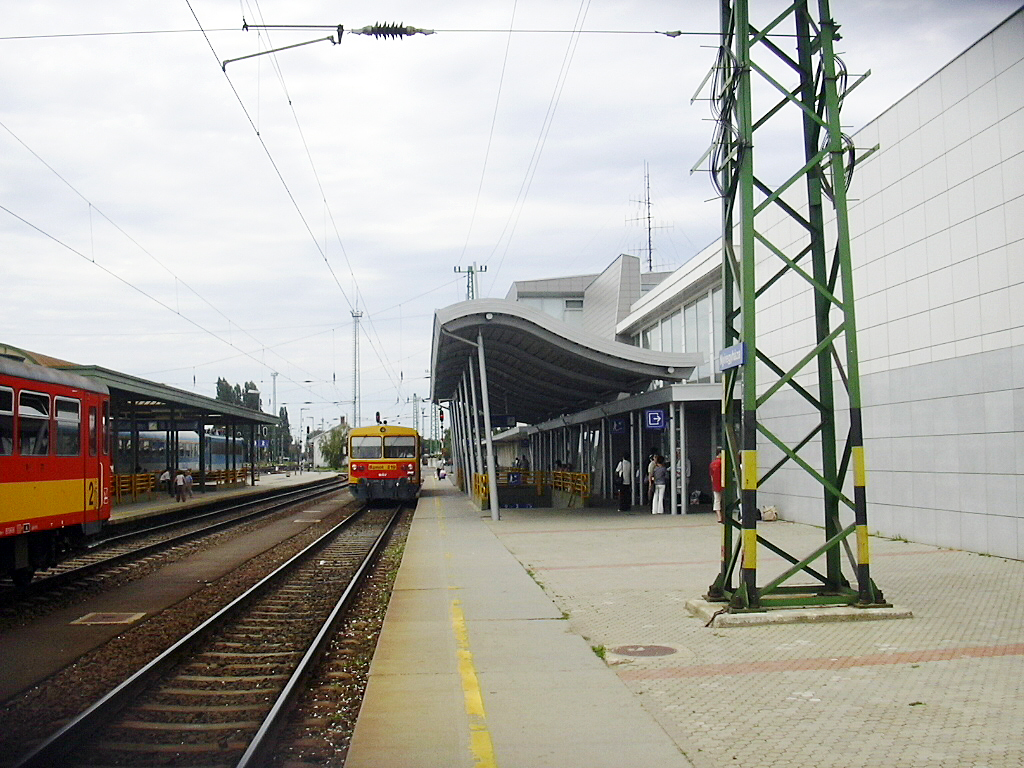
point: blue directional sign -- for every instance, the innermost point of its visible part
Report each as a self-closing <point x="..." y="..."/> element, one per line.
<point x="617" y="426"/>
<point x="654" y="418"/>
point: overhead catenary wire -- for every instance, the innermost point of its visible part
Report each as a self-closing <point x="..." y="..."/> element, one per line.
<point x="531" y="169"/>
<point x="280" y="176"/>
<point x="490" y="134"/>
<point x="176" y="278"/>
<point x="348" y="300"/>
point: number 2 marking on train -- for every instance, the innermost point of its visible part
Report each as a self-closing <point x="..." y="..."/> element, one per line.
<point x="91" y="494"/>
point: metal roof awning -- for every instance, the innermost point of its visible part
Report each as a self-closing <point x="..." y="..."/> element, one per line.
<point x="151" y="400"/>
<point x="538" y="367"/>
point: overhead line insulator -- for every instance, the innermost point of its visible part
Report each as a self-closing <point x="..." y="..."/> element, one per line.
<point x="379" y="30"/>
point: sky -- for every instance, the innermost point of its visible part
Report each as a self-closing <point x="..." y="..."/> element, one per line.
<point x="174" y="218"/>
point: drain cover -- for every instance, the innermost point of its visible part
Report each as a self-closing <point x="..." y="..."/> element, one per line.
<point x="108" y="618"/>
<point x="643" y="650"/>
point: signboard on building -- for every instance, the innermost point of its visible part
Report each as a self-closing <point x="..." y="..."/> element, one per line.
<point x="503" y="421"/>
<point x="654" y="418"/>
<point x="732" y="357"/>
<point x="617" y="426"/>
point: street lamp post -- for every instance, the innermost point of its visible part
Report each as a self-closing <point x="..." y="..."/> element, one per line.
<point x="302" y="442"/>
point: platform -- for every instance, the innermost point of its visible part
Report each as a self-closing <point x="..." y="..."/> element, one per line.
<point x="159" y="503"/>
<point x="487" y="656"/>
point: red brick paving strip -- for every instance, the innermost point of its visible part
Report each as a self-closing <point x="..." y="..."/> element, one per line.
<point x="844" y="662"/>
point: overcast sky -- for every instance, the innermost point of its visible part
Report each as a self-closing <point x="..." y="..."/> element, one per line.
<point x="169" y="221"/>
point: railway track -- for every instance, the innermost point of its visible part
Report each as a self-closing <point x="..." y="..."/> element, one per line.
<point x="156" y="536"/>
<point x="217" y="696"/>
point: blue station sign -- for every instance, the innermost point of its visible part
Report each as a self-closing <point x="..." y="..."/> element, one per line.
<point x="732" y="357"/>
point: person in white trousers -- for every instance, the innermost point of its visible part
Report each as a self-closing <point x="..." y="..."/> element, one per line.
<point x="659" y="476"/>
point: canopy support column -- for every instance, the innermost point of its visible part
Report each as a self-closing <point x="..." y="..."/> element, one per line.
<point x="475" y="422"/>
<point x="492" y="469"/>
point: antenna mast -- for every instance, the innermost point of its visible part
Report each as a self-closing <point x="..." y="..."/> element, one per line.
<point x="470" y="273"/>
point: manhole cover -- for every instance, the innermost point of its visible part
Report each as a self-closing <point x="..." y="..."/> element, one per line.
<point x="643" y="650"/>
<point x="108" y="618"/>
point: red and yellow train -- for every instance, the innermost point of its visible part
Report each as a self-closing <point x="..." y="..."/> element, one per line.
<point x="55" y="465"/>
<point x="384" y="462"/>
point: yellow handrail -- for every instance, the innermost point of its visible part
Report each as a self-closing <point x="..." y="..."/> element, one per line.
<point x="574" y="483"/>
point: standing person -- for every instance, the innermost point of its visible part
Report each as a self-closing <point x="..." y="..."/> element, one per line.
<point x="624" y="473"/>
<point x="659" y="476"/>
<point x="716" y="483"/>
<point x="650" y="473"/>
<point x="179" y="486"/>
<point x="188" y="483"/>
<point x="165" y="482"/>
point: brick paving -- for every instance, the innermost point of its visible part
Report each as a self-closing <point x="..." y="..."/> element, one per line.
<point x="943" y="688"/>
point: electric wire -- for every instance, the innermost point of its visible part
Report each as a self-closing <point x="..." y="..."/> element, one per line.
<point x="531" y="168"/>
<point x="280" y="176"/>
<point x="323" y="196"/>
<point x="490" y="134"/>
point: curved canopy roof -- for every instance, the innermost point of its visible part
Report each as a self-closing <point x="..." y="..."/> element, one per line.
<point x="539" y="367"/>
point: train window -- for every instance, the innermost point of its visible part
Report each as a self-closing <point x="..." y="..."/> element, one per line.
<point x="365" y="447"/>
<point x="69" y="426"/>
<point x="400" y="447"/>
<point x="105" y="428"/>
<point x="6" y="421"/>
<point x="33" y="423"/>
<point x="92" y="430"/>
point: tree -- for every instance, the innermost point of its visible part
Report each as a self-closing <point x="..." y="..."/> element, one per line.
<point x="283" y="434"/>
<point x="227" y="393"/>
<point x="334" y="446"/>
<point x="247" y="396"/>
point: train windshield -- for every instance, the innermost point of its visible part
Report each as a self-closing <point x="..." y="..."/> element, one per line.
<point x="403" y="447"/>
<point x="365" y="448"/>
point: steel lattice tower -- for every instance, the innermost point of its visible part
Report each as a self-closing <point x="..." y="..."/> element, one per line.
<point x="754" y="93"/>
<point x="356" y="314"/>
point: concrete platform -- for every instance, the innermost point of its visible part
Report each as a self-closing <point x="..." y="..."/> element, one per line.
<point x="477" y="667"/>
<point x="487" y="657"/>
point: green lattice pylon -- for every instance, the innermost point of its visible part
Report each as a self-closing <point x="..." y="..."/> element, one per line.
<point x="791" y="59"/>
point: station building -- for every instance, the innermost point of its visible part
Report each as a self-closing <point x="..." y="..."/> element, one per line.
<point x="937" y="237"/>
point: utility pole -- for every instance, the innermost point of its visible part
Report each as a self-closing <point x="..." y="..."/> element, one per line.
<point x="471" y="273"/>
<point x="811" y="258"/>
<point x="356" y="314"/>
<point x="277" y="430"/>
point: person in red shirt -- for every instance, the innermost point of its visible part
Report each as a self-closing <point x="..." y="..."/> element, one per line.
<point x="716" y="483"/>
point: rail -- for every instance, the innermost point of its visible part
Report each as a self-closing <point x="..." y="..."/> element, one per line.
<point x="350" y="548"/>
<point x="576" y="484"/>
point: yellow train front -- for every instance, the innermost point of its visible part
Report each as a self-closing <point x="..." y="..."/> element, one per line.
<point x="384" y="463"/>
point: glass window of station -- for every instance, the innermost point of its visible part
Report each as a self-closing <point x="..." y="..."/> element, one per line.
<point x="696" y="327"/>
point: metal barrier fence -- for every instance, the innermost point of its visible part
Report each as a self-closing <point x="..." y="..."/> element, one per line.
<point x="129" y="488"/>
<point x="576" y="484"/>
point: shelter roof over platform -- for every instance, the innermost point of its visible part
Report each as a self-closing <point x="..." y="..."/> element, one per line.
<point x="539" y="367"/>
<point x="149" y="400"/>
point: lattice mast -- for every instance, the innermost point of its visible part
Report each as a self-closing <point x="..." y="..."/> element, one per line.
<point x="813" y="196"/>
<point x="356" y="315"/>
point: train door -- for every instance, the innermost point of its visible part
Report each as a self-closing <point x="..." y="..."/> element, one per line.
<point x="92" y="467"/>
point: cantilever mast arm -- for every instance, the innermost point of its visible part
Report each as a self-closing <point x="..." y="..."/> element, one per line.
<point x="224" y="64"/>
